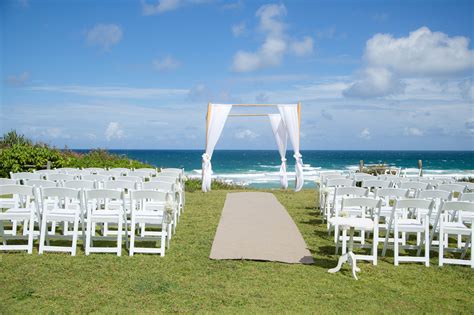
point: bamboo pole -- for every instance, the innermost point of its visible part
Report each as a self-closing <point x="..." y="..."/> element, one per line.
<point x="246" y="115"/>
<point x="208" y="116"/>
<point x="299" y="121"/>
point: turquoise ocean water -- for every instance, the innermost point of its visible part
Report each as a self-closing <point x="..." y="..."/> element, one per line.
<point x="260" y="168"/>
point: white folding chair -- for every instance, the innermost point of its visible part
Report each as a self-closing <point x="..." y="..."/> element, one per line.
<point x="123" y="171"/>
<point x="457" y="228"/>
<point x="456" y="189"/>
<point x="93" y="170"/>
<point x="365" y="221"/>
<point x="419" y="224"/>
<point x="151" y="171"/>
<point x="168" y="188"/>
<point x="60" y="178"/>
<point x="98" y="211"/>
<point x="125" y="187"/>
<point x="68" y="208"/>
<point x="414" y="188"/>
<point x="143" y="175"/>
<point x="7" y="181"/>
<point x="24" y="210"/>
<point x="22" y="177"/>
<point x="148" y="207"/>
<point x="66" y="170"/>
<point x="373" y="184"/>
<point x="328" y="194"/>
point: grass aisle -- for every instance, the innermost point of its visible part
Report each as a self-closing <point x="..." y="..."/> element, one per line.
<point x="186" y="280"/>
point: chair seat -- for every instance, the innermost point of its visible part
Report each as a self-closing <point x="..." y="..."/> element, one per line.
<point x="456" y="228"/>
<point x="410" y="225"/>
<point x="347" y="222"/>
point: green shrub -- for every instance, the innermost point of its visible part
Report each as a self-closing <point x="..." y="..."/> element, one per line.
<point x="195" y="184"/>
<point x="16" y="158"/>
<point x="19" y="154"/>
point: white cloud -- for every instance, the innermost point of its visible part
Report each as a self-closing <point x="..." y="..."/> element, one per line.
<point x="423" y="53"/>
<point x="160" y="7"/>
<point x="17" y="80"/>
<point x="239" y="29"/>
<point x="166" y="64"/>
<point x="303" y="47"/>
<point x="113" y="131"/>
<point x="365" y="134"/>
<point x="246" y="134"/>
<point x="112" y="91"/>
<point x="276" y="42"/>
<point x="374" y="82"/>
<point x="413" y="131"/>
<point x="104" y="36"/>
<point x="470" y="126"/>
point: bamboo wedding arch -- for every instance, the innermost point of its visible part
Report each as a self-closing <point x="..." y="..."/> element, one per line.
<point x="286" y="124"/>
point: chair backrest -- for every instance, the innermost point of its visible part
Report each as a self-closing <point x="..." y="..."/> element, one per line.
<point x="173" y="170"/>
<point x="22" y="190"/>
<point x="110" y="173"/>
<point x="60" y="177"/>
<point x="80" y="184"/>
<point x="140" y="174"/>
<point x="93" y="170"/>
<point x="25" y="175"/>
<point x="22" y="196"/>
<point x="414" y="203"/>
<point x="7" y="181"/>
<point x="367" y="205"/>
<point x="121" y="170"/>
<point x="157" y="185"/>
<point x="66" y="170"/>
<point x="435" y="194"/>
<point x="392" y="193"/>
<point x="129" y="178"/>
<point x="451" y="187"/>
<point x="414" y="185"/>
<point x="61" y="192"/>
<point x="41" y="183"/>
<point x="151" y="171"/>
<point x="120" y="184"/>
<point x="44" y="173"/>
<point x="143" y="199"/>
<point x="458" y="206"/>
<point x="374" y="183"/>
<point x="97" y="200"/>
<point x="387" y="177"/>
<point x="433" y="182"/>
<point x="358" y="177"/>
<point x="467" y="197"/>
<point x="469" y="186"/>
<point x="340" y="182"/>
<point x="95" y="177"/>
<point x="351" y="192"/>
<point x="167" y="179"/>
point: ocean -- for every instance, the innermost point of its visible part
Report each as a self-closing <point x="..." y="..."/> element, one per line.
<point x="260" y="168"/>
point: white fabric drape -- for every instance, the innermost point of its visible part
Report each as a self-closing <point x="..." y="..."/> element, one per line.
<point x="218" y="116"/>
<point x="281" y="138"/>
<point x="289" y="115"/>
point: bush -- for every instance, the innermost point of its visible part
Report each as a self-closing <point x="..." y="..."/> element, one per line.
<point x="19" y="154"/>
<point x="195" y="184"/>
<point x="17" y="157"/>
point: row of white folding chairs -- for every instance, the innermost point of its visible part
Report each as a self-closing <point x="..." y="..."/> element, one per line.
<point x="329" y="182"/>
<point x="409" y="216"/>
<point x="68" y="205"/>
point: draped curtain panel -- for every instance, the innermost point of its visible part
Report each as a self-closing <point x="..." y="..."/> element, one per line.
<point x="289" y="115"/>
<point x="281" y="138"/>
<point x="217" y="117"/>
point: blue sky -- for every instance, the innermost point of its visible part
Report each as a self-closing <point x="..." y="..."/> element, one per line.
<point x="139" y="74"/>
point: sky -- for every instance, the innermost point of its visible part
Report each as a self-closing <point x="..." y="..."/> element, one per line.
<point x="388" y="75"/>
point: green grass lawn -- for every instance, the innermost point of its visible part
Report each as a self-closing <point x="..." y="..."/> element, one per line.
<point x="186" y="280"/>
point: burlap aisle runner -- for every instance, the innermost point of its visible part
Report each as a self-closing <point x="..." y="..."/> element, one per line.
<point x="256" y="226"/>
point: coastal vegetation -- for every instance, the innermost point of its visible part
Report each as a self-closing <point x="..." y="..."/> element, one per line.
<point x="18" y="154"/>
<point x="186" y="280"/>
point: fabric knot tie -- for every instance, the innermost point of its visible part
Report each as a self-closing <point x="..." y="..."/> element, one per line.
<point x="283" y="160"/>
<point x="297" y="156"/>
<point x="206" y="157"/>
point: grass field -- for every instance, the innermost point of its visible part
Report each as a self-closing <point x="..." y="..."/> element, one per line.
<point x="186" y="280"/>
